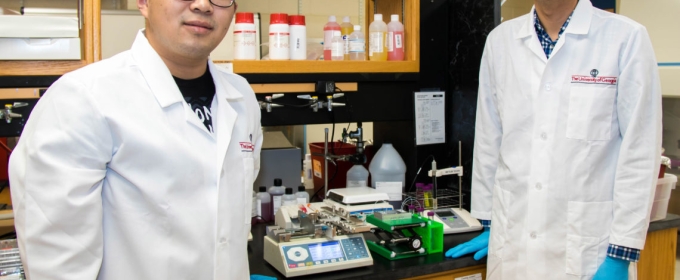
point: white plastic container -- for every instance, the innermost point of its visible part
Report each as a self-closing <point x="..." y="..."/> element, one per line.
<point x="279" y="37"/>
<point x="337" y="48"/>
<point x="395" y="39"/>
<point x="357" y="44"/>
<point x="277" y="192"/>
<point x="346" y="29"/>
<point x="662" y="196"/>
<point x="308" y="178"/>
<point x="264" y="204"/>
<point x="330" y="30"/>
<point x="377" y="36"/>
<point x="302" y="196"/>
<point x="388" y="172"/>
<point x="357" y="176"/>
<point x="289" y="198"/>
<point x="298" y="37"/>
<point x="39" y="38"/>
<point x="245" y="41"/>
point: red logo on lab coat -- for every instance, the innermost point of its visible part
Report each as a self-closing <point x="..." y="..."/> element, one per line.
<point x="593" y="80"/>
<point x="247" y="147"/>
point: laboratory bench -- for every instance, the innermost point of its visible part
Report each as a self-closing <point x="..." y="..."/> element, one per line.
<point x="657" y="260"/>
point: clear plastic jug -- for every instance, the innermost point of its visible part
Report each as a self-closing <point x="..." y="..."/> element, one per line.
<point x="388" y="172"/>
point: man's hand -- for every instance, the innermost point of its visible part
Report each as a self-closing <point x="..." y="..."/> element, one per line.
<point x="478" y="245"/>
<point x="612" y="269"/>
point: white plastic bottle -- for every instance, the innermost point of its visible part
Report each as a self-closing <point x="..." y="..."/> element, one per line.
<point x="245" y="45"/>
<point x="357" y="44"/>
<point x="395" y="39"/>
<point x="277" y="192"/>
<point x="264" y="204"/>
<point x="346" y="28"/>
<point x="357" y="176"/>
<point x="330" y="30"/>
<point x="289" y="198"/>
<point x="308" y="172"/>
<point x="377" y="35"/>
<point x="279" y="33"/>
<point x="388" y="172"/>
<point x="302" y="196"/>
<point x="337" y="48"/>
<point x="298" y="37"/>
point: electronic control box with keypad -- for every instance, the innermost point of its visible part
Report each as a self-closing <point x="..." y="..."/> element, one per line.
<point x="310" y="256"/>
<point x="455" y="220"/>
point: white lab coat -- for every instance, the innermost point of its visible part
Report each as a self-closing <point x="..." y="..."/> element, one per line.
<point x="562" y="169"/>
<point x="116" y="178"/>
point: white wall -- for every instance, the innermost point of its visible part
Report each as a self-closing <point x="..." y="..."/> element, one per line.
<point x="660" y="17"/>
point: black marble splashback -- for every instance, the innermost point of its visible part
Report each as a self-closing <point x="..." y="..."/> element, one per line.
<point x="470" y="23"/>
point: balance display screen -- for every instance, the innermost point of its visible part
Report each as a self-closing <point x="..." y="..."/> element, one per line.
<point x="326" y="250"/>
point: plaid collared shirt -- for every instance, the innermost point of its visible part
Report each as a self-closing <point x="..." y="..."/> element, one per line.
<point x="614" y="251"/>
<point x="546" y="42"/>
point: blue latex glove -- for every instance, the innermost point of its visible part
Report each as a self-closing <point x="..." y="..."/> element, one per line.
<point x="612" y="269"/>
<point x="261" y="277"/>
<point x="478" y="245"/>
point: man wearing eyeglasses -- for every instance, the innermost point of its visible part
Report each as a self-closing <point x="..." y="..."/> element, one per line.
<point x="141" y="166"/>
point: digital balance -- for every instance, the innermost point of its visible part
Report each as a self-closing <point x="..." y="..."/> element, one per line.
<point x="325" y="236"/>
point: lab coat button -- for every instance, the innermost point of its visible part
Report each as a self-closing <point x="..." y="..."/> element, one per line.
<point x="533" y="235"/>
<point x="544" y="136"/>
<point x="539" y="186"/>
<point x="547" y="87"/>
<point x="223" y="240"/>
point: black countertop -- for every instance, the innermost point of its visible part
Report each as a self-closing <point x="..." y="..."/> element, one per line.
<point x="405" y="268"/>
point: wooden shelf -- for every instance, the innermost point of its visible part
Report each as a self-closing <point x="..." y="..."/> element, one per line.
<point x="269" y="67"/>
<point x="39" y="68"/>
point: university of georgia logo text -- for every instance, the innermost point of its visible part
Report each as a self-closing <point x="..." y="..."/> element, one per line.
<point x="247" y="147"/>
<point x="593" y="79"/>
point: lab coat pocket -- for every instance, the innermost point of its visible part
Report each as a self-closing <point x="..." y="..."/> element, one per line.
<point x="248" y="180"/>
<point x="591" y="109"/>
<point x="589" y="224"/>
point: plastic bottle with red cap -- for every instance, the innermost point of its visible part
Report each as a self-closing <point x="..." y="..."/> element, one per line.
<point x="298" y="37"/>
<point x="330" y="30"/>
<point x="245" y="43"/>
<point x="279" y="37"/>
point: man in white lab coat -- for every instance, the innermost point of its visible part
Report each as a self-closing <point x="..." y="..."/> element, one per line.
<point x="141" y="166"/>
<point x="567" y="144"/>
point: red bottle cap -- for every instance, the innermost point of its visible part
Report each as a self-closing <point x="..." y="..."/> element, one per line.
<point x="296" y="20"/>
<point x="245" y="18"/>
<point x="278" y="18"/>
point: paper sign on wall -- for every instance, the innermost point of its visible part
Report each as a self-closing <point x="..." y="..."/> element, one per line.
<point x="430" y="117"/>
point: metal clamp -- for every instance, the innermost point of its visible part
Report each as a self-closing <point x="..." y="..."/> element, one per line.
<point x="7" y="113"/>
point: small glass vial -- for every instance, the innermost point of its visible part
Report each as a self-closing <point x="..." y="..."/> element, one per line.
<point x="427" y="196"/>
<point x="411" y="209"/>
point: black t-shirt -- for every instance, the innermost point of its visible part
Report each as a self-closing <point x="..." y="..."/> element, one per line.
<point x="199" y="93"/>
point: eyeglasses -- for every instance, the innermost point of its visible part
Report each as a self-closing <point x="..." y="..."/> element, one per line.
<point x="223" y="3"/>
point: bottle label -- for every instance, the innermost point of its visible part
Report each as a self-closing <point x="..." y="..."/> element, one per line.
<point x="354" y="184"/>
<point x="399" y="40"/>
<point x="259" y="207"/>
<point x="345" y="40"/>
<point x="390" y="41"/>
<point x="328" y="37"/>
<point x="277" y="203"/>
<point x="317" y="168"/>
<point x="302" y="200"/>
<point x="338" y="49"/>
<point x="244" y="44"/>
<point x="279" y="40"/>
<point x="376" y="43"/>
<point x="357" y="46"/>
